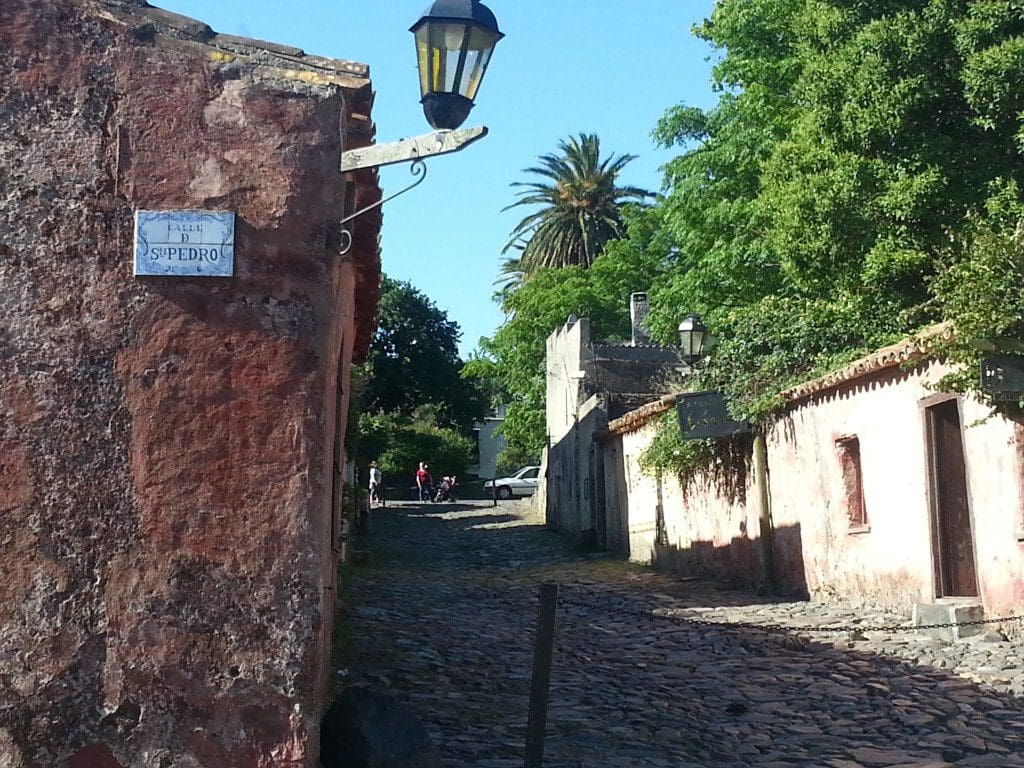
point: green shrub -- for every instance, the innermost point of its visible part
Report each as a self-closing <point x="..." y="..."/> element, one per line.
<point x="399" y="446"/>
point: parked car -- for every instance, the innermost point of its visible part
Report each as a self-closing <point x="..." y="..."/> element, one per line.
<point x="522" y="483"/>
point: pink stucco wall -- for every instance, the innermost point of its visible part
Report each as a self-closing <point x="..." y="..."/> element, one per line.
<point x="891" y="559"/>
<point x="711" y="519"/>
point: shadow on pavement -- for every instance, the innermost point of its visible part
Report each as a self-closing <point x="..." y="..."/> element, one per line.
<point x="632" y="689"/>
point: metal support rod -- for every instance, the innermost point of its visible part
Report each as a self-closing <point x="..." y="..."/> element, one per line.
<point x="764" y="508"/>
<point x="494" y="491"/>
<point x="541" y="676"/>
<point x="417" y="168"/>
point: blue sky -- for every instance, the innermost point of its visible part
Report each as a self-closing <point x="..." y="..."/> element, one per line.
<point x="564" y="67"/>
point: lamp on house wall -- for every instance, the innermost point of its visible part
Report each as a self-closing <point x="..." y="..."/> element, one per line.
<point x="693" y="337"/>
<point x="454" y="43"/>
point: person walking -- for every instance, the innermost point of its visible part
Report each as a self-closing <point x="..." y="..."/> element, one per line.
<point x="423" y="482"/>
<point x="375" y="483"/>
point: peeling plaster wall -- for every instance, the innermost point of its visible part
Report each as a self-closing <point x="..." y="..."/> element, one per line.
<point x="167" y="578"/>
<point x="711" y="524"/>
<point x="707" y="525"/>
<point x="891" y="561"/>
<point x="587" y="382"/>
<point x="567" y="352"/>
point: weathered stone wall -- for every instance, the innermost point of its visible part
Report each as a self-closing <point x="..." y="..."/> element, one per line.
<point x="587" y="383"/>
<point x="574" y="476"/>
<point x="166" y="445"/>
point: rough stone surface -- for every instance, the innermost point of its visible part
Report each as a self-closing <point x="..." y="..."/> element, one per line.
<point x="367" y="728"/>
<point x="166" y="586"/>
<point x="651" y="671"/>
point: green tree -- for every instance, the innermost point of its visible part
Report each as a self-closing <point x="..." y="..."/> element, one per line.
<point x="514" y="356"/>
<point x="850" y="146"/>
<point x="580" y="207"/>
<point x="399" y="445"/>
<point x="414" y="362"/>
<point x="980" y="286"/>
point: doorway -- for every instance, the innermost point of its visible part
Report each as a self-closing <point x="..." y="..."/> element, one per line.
<point x="952" y="536"/>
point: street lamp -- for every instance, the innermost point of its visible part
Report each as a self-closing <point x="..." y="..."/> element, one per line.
<point x="454" y="43"/>
<point x="693" y="335"/>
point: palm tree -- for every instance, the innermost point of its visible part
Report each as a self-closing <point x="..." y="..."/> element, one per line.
<point x="510" y="274"/>
<point x="581" y="207"/>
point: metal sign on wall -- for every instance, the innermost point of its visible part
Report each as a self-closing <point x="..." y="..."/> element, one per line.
<point x="185" y="243"/>
<point x="1002" y="377"/>
<point x="705" y="416"/>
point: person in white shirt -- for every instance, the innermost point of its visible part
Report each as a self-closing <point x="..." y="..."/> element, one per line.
<point x="375" y="482"/>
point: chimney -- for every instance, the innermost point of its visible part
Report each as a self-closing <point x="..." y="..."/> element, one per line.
<point x="639" y="308"/>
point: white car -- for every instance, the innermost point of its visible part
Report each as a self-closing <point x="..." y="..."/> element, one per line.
<point x="522" y="483"/>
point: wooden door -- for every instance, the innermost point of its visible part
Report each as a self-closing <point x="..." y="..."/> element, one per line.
<point x="952" y="538"/>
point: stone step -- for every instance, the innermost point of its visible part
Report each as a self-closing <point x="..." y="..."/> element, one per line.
<point x="946" y="610"/>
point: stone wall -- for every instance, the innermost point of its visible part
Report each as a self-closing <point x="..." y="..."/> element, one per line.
<point x="167" y="513"/>
<point x="587" y="383"/>
<point x="567" y="352"/>
<point x="574" y="477"/>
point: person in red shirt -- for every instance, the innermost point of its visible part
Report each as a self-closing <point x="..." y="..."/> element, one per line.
<point x="423" y="482"/>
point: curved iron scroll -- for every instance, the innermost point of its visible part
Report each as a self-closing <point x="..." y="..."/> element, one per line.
<point x="417" y="168"/>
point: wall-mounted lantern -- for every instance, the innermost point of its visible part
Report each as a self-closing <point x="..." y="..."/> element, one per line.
<point x="693" y="336"/>
<point x="454" y="43"/>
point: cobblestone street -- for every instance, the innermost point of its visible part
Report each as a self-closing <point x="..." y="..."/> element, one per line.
<point x="651" y="670"/>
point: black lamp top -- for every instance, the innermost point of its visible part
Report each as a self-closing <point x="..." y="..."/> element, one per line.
<point x="464" y="11"/>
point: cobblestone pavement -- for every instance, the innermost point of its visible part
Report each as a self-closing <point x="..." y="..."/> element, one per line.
<point x="444" y="613"/>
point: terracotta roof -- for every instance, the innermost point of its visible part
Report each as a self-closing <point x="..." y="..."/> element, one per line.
<point x="640" y="418"/>
<point x="909" y="350"/>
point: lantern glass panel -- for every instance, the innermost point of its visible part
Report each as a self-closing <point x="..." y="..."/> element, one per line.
<point x="478" y="55"/>
<point x="691" y="337"/>
<point x="697" y="342"/>
<point x="439" y="46"/>
<point x="423" y="58"/>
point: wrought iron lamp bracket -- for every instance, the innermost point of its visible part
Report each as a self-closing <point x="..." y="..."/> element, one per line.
<point x="415" y="150"/>
<point x="418" y="168"/>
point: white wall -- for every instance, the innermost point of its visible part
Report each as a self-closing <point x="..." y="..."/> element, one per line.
<point x="711" y="524"/>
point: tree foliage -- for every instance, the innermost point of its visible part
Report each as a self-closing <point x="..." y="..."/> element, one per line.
<point x="399" y="445"/>
<point x="852" y="143"/>
<point x="410" y="403"/>
<point x="980" y="285"/>
<point x="414" y="362"/>
<point x="579" y="208"/>
<point x="601" y="293"/>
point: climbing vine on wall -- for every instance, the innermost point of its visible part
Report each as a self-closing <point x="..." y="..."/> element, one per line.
<point x="668" y="453"/>
<point x="724" y="461"/>
<point x="979" y="287"/>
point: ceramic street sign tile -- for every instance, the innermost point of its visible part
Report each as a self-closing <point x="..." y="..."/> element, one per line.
<point x="185" y="243"/>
